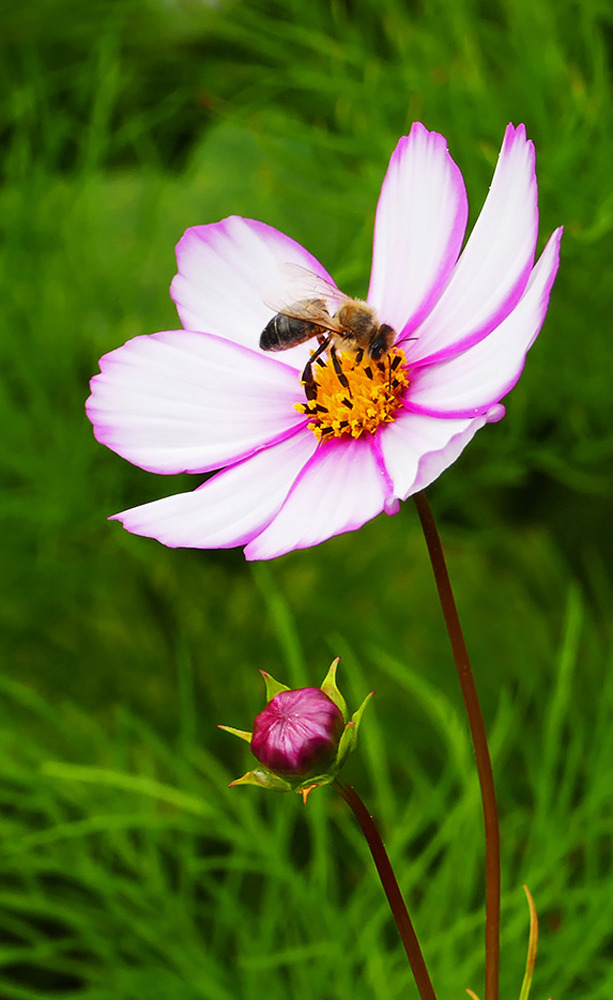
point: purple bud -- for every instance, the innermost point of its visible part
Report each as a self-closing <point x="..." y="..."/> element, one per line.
<point x="298" y="732"/>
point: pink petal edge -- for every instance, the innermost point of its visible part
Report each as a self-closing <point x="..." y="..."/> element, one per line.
<point x="419" y="228"/>
<point x="231" y="280"/>
<point x="494" y="267"/>
<point x="229" y="509"/>
<point x="179" y="401"/>
<point x="338" y="490"/>
<point x="472" y="382"/>
<point x="407" y="443"/>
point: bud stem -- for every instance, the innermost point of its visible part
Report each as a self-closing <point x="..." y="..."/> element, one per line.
<point x="391" y="888"/>
<point x="479" y="738"/>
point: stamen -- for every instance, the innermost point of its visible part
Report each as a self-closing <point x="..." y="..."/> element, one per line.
<point x="373" y="393"/>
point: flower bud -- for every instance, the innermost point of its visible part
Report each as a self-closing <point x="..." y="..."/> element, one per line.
<point x="298" y="733"/>
<point x="302" y="737"/>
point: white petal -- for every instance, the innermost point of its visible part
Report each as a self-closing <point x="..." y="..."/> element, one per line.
<point x="416" y="448"/>
<point x="471" y="382"/>
<point x="495" y="265"/>
<point x="434" y="462"/>
<point x="338" y="490"/>
<point x="231" y="276"/>
<point x="189" y="402"/>
<point x="419" y="228"/>
<point x="231" y="507"/>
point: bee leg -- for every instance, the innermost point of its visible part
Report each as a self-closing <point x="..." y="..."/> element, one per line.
<point x="310" y="389"/>
<point x="344" y="381"/>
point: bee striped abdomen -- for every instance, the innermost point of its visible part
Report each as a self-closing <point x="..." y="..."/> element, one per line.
<point x="284" y="331"/>
<point x="294" y="327"/>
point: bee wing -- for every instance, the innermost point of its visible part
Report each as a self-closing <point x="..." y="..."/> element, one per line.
<point x="306" y="295"/>
<point x="313" y="311"/>
<point x="304" y="284"/>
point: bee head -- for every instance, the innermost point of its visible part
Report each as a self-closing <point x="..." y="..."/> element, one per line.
<point x="382" y="342"/>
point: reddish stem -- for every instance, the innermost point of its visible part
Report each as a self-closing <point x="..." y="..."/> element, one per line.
<point x="479" y="738"/>
<point x="392" y="890"/>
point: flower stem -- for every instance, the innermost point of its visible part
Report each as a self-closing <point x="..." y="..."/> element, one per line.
<point x="479" y="738"/>
<point x="391" y="888"/>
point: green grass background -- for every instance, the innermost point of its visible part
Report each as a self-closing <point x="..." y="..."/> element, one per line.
<point x="128" y="870"/>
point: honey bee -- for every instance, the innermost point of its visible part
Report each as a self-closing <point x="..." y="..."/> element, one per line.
<point x="352" y="325"/>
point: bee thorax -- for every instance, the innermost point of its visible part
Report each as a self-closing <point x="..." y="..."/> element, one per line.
<point x="358" y="320"/>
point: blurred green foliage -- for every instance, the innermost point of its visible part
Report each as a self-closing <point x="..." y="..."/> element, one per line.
<point x="128" y="871"/>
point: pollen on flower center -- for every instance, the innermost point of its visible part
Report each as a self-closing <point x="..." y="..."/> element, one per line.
<point x="352" y="394"/>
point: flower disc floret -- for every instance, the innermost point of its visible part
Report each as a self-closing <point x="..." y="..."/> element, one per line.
<point x="298" y="732"/>
<point x="353" y="394"/>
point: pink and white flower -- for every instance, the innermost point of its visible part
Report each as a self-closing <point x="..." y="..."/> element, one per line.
<point x="208" y="398"/>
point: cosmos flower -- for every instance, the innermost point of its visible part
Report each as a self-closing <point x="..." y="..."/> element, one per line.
<point x="300" y="463"/>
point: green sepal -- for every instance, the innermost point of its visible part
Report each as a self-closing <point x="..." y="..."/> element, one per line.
<point x="241" y="733"/>
<point x="306" y="787"/>
<point x="357" y="715"/>
<point x="273" y="687"/>
<point x="349" y="737"/>
<point x="317" y="779"/>
<point x="263" y="778"/>
<point x="345" y="746"/>
<point x="330" y="688"/>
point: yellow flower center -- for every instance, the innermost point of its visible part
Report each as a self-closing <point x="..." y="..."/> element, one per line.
<point x="353" y="394"/>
